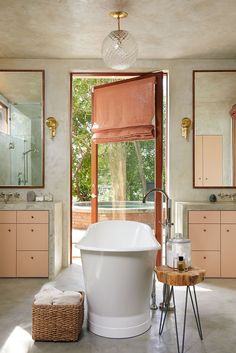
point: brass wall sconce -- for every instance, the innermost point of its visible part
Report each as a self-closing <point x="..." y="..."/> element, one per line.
<point x="186" y="124"/>
<point x="52" y="124"/>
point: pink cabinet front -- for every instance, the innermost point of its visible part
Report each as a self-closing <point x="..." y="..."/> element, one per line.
<point x="204" y="217"/>
<point x="32" y="217"/>
<point x="7" y="250"/>
<point x="32" y="264"/>
<point x="7" y="217"/>
<point x="198" y="161"/>
<point x="228" y="217"/>
<point x="212" y="160"/>
<point x="228" y="247"/>
<point x="208" y="260"/>
<point x="205" y="236"/>
<point x="32" y="236"/>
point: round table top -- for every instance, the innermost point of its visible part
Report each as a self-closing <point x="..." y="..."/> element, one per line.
<point x="173" y="277"/>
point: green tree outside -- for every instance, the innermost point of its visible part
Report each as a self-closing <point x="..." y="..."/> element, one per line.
<point x="128" y="164"/>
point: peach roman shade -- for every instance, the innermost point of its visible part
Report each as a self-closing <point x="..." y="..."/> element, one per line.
<point x="124" y="111"/>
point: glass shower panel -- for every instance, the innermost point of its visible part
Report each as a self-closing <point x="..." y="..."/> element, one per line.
<point x="125" y="173"/>
<point x="5" y="174"/>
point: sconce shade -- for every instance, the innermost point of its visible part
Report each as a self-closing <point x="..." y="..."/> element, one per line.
<point x="119" y="50"/>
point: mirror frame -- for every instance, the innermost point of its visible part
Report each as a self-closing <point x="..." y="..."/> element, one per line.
<point x="43" y="133"/>
<point x="194" y="121"/>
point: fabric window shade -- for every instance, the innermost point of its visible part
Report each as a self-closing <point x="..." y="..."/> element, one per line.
<point x="124" y="111"/>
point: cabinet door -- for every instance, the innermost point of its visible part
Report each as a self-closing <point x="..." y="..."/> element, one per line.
<point x="212" y="160"/>
<point x="32" y="264"/>
<point x="198" y="160"/>
<point x="208" y="260"/>
<point x="7" y="250"/>
<point x="205" y="236"/>
<point x="32" y="236"/>
<point x="228" y="247"/>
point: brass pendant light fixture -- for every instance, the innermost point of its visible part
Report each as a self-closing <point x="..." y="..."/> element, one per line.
<point x="119" y="48"/>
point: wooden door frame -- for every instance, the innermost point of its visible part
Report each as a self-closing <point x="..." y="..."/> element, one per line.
<point x="94" y="150"/>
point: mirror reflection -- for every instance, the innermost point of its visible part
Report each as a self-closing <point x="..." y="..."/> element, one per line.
<point x="214" y="128"/>
<point x="21" y="128"/>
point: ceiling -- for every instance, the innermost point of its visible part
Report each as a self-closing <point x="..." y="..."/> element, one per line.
<point x="74" y="29"/>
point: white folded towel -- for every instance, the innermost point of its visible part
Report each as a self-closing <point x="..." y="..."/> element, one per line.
<point x="44" y="300"/>
<point x="46" y="295"/>
<point x="67" y="297"/>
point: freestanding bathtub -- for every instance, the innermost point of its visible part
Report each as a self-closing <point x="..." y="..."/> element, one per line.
<point x="118" y="258"/>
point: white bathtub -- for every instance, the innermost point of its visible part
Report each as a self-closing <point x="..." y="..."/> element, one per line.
<point x="118" y="258"/>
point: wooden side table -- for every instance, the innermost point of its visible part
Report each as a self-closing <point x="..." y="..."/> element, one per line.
<point x="173" y="278"/>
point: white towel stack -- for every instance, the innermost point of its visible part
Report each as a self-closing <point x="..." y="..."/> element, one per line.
<point x="50" y="295"/>
<point x="67" y="297"/>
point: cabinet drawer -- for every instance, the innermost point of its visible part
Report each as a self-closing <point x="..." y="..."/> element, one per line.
<point x="32" y="216"/>
<point x="204" y="217"/>
<point x="208" y="260"/>
<point x="32" y="236"/>
<point x="228" y="216"/>
<point x="205" y="236"/>
<point x="7" y="216"/>
<point x="7" y="250"/>
<point x="32" y="264"/>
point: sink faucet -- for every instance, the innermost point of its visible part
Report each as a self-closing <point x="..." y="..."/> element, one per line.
<point x="6" y="197"/>
<point x="167" y="226"/>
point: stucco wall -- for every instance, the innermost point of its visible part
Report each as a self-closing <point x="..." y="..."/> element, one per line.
<point x="57" y="151"/>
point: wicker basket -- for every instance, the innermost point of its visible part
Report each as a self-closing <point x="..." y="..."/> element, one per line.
<point x="57" y="322"/>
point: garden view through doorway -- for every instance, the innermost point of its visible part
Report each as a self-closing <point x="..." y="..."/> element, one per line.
<point x="125" y="170"/>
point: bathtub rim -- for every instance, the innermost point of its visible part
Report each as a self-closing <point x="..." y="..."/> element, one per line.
<point x="154" y="247"/>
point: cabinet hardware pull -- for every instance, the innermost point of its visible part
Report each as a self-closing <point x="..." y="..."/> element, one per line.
<point x="204" y="217"/>
<point x="204" y="257"/>
<point x="9" y="230"/>
<point x="32" y="230"/>
<point x="204" y="230"/>
<point x="227" y="230"/>
<point x="32" y="257"/>
<point x="32" y="216"/>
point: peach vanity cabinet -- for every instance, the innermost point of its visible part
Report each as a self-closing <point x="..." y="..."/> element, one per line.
<point x="208" y="160"/>
<point x="213" y="237"/>
<point x="24" y="243"/>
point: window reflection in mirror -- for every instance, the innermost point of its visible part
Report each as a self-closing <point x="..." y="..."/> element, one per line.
<point x="21" y="128"/>
<point x="214" y="128"/>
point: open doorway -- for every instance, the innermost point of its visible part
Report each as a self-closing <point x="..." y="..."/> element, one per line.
<point x="135" y="161"/>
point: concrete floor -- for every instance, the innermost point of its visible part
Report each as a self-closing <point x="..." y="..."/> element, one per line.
<point x="217" y="304"/>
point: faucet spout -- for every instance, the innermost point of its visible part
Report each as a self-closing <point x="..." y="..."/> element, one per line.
<point x="167" y="223"/>
<point x="156" y="190"/>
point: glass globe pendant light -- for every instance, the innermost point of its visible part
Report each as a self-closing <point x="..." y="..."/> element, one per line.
<point x="119" y="48"/>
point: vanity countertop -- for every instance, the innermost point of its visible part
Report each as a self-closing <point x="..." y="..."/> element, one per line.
<point x="182" y="208"/>
<point x="24" y="205"/>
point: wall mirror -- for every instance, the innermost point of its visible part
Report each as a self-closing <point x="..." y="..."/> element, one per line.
<point x="21" y="129"/>
<point x="214" y="142"/>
